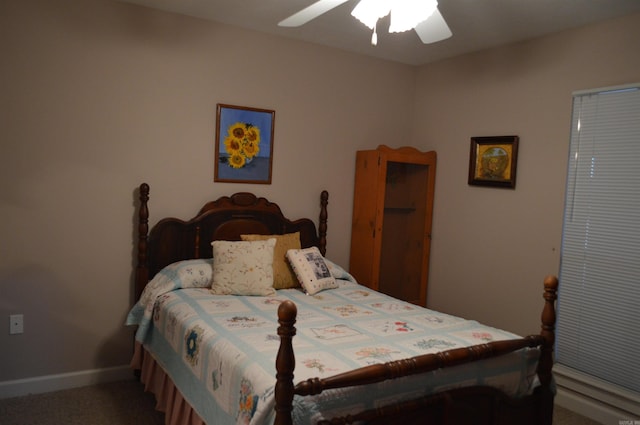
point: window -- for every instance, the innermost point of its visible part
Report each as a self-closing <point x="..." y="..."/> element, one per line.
<point x="599" y="298"/>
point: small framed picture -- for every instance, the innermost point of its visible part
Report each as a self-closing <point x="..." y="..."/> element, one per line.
<point x="493" y="161"/>
<point x="244" y="144"/>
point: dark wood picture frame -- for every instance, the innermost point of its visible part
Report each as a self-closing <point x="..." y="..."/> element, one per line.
<point x="493" y="161"/>
<point x="244" y="144"/>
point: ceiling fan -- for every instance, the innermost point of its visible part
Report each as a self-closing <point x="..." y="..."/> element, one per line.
<point x="421" y="15"/>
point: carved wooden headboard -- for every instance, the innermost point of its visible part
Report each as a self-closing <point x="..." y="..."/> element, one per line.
<point x="226" y="218"/>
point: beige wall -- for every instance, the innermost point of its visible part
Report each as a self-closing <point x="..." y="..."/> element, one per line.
<point x="493" y="247"/>
<point x="98" y="96"/>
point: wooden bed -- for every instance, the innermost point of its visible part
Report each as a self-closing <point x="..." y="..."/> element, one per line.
<point x="226" y="218"/>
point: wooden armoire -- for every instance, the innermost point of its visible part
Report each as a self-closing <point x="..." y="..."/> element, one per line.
<point x="391" y="227"/>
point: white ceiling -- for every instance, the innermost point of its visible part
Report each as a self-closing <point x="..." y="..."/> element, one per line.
<point x="476" y="24"/>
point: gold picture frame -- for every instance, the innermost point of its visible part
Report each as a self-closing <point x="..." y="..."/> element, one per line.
<point x="493" y="161"/>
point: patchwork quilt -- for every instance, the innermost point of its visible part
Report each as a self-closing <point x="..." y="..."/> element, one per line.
<point x="220" y="350"/>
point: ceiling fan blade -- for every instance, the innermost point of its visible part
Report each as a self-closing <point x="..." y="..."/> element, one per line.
<point x="310" y="12"/>
<point x="433" y="29"/>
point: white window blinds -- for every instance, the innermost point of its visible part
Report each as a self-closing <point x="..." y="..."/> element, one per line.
<point x="599" y="298"/>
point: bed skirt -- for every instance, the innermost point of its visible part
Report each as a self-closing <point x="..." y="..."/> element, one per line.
<point x="177" y="411"/>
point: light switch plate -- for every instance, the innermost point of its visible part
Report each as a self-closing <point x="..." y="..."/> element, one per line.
<point x="16" y="324"/>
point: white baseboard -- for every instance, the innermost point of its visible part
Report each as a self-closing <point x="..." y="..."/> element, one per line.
<point x="64" y="381"/>
<point x="595" y="399"/>
<point x="588" y="407"/>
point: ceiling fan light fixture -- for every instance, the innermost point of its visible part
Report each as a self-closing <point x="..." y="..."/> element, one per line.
<point x="407" y="14"/>
<point x="369" y="11"/>
<point x="421" y="15"/>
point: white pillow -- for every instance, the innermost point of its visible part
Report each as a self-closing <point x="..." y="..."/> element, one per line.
<point x="311" y="270"/>
<point x="243" y="267"/>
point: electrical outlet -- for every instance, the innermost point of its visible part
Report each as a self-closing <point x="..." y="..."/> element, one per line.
<point x="16" y="324"/>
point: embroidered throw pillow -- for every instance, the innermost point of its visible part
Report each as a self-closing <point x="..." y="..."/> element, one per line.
<point x="311" y="270"/>
<point x="283" y="276"/>
<point x="243" y="267"/>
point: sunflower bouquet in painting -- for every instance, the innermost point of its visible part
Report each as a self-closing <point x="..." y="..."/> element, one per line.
<point x="242" y="144"/>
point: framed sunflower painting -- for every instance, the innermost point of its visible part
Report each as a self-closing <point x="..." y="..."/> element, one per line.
<point x="244" y="144"/>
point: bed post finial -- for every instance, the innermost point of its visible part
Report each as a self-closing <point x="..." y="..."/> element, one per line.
<point x="142" y="272"/>
<point x="322" y="227"/>
<point x="545" y="364"/>
<point x="285" y="363"/>
<point x="548" y="327"/>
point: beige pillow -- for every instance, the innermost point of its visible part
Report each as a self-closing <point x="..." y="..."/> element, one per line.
<point x="311" y="270"/>
<point x="243" y="268"/>
<point x="283" y="276"/>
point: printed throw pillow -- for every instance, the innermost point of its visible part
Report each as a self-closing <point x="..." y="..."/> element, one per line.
<point x="243" y="267"/>
<point x="283" y="276"/>
<point x="311" y="269"/>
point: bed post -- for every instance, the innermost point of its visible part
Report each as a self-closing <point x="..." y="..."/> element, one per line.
<point x="322" y="225"/>
<point x="545" y="365"/>
<point x="142" y="271"/>
<point x="285" y="363"/>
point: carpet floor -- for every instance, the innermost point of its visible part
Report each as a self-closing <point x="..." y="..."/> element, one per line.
<point x="117" y="403"/>
<point x="123" y="403"/>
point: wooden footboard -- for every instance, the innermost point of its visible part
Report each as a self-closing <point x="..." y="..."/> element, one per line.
<point x="477" y="405"/>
